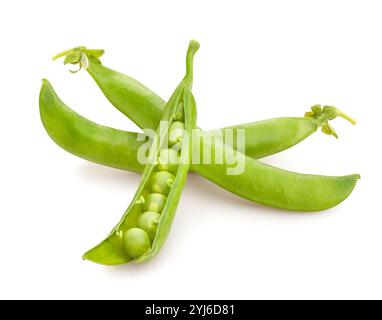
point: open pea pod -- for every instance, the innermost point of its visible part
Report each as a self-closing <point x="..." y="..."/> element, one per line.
<point x="146" y="223"/>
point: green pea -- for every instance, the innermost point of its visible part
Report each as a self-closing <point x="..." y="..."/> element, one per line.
<point x="168" y="160"/>
<point x="148" y="221"/>
<point x="177" y="147"/>
<point x="136" y="242"/>
<point x="175" y="132"/>
<point x="162" y="181"/>
<point x="179" y="115"/>
<point x="155" y="202"/>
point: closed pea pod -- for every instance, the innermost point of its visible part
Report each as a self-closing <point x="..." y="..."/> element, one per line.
<point x="144" y="108"/>
<point x="128" y="240"/>
<point x="85" y="138"/>
<point x="276" y="187"/>
<point x="118" y="148"/>
<point x="267" y="137"/>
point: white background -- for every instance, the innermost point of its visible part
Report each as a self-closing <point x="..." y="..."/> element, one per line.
<point x="258" y="60"/>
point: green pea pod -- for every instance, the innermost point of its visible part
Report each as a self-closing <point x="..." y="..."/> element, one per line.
<point x="145" y="108"/>
<point x="132" y="98"/>
<point x="273" y="186"/>
<point x="118" y="148"/>
<point x="127" y="242"/>
<point x="87" y="139"/>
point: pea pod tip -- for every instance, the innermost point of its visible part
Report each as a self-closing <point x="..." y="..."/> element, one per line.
<point x="194" y="44"/>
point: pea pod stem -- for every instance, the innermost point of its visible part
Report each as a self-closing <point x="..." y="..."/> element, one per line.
<point x="62" y="54"/>
<point x="322" y="116"/>
<point x="192" y="49"/>
<point x="346" y="117"/>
